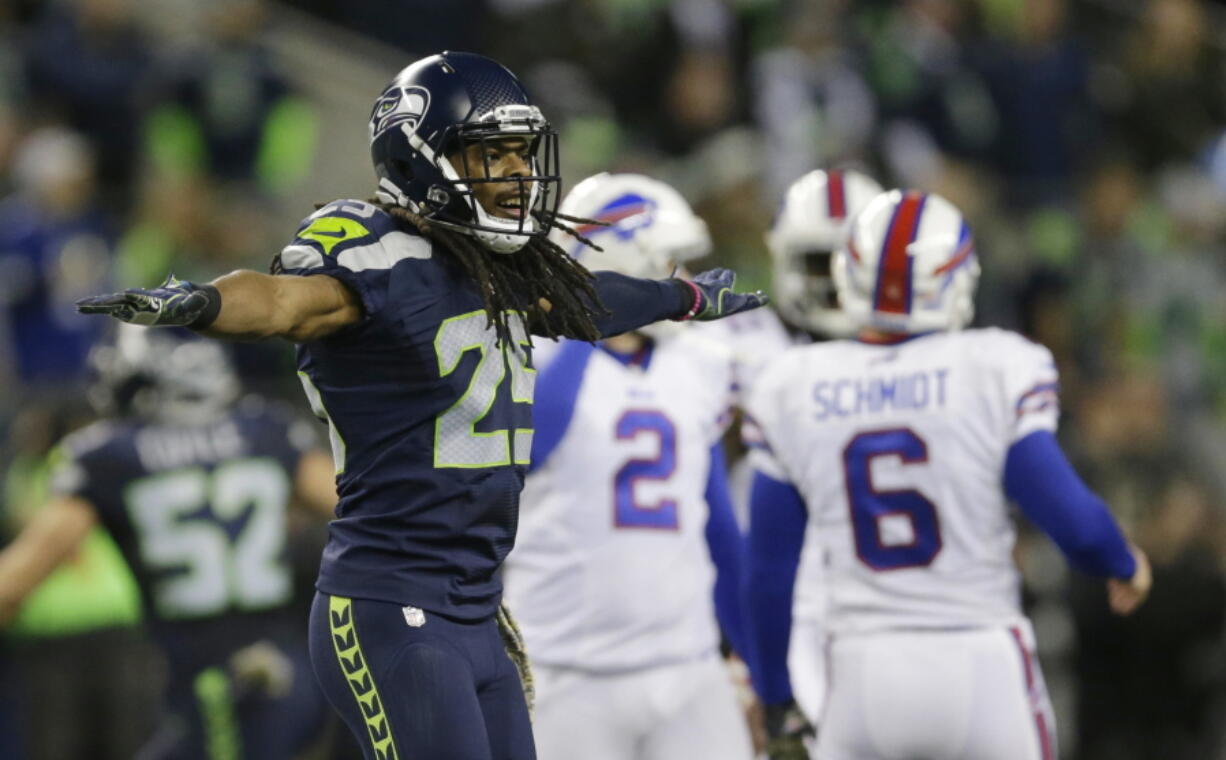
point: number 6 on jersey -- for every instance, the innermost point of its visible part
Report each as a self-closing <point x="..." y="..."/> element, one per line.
<point x="871" y="508"/>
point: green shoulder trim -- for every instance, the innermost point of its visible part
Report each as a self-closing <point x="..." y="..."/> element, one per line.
<point x="329" y="231"/>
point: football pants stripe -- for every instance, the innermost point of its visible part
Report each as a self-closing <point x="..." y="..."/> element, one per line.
<point x="222" y="739"/>
<point x="356" y="671"/>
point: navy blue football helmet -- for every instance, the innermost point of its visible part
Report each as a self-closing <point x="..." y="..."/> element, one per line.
<point x="440" y="105"/>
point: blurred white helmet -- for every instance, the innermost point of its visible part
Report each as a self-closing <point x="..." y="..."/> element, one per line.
<point x="651" y="227"/>
<point x="810" y="227"/>
<point x="163" y="375"/>
<point x="908" y="265"/>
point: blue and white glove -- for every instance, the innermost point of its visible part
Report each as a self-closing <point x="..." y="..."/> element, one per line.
<point x="714" y="297"/>
<point x="174" y="303"/>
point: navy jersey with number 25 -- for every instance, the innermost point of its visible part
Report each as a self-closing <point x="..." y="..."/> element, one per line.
<point x="429" y="416"/>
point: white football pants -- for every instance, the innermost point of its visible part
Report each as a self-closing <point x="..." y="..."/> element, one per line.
<point x="686" y="710"/>
<point x="971" y="694"/>
<point x="807" y="655"/>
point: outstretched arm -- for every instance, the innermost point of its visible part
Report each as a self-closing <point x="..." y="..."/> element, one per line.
<point x="632" y="302"/>
<point x="241" y="305"/>
<point x="48" y="539"/>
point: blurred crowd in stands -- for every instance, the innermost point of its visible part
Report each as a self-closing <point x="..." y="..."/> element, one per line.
<point x="1085" y="140"/>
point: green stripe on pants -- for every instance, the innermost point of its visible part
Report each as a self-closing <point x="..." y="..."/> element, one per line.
<point x="221" y="736"/>
<point x="353" y="665"/>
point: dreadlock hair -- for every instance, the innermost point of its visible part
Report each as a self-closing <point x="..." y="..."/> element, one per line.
<point x="517" y="282"/>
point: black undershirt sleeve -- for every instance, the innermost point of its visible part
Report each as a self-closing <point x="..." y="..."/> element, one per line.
<point x="632" y="302"/>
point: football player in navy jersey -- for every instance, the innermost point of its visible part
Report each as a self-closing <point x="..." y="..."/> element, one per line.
<point x="194" y="488"/>
<point x="413" y="314"/>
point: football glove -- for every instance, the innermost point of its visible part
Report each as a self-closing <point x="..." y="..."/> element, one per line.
<point x="714" y="297"/>
<point x="174" y="303"/>
<point x="786" y="731"/>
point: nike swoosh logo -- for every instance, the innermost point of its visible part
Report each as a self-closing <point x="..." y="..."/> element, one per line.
<point x="330" y="233"/>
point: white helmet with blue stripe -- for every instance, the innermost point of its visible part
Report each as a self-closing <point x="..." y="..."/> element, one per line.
<point x="650" y="227"/>
<point x="908" y="265"/>
<point x="809" y="228"/>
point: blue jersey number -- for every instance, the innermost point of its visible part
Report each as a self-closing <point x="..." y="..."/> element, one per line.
<point x="870" y="506"/>
<point x="627" y="511"/>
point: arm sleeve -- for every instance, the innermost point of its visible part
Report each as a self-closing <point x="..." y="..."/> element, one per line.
<point x="1051" y="495"/>
<point x="727" y="549"/>
<point x="557" y="387"/>
<point x="633" y="302"/>
<point x="343" y="240"/>
<point x="777" y="520"/>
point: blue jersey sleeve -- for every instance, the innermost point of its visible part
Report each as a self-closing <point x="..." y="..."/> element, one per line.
<point x="727" y="552"/>
<point x="1051" y="495"/>
<point x="354" y="242"/>
<point x="557" y="387"/>
<point x="634" y="302"/>
<point x="776" y="537"/>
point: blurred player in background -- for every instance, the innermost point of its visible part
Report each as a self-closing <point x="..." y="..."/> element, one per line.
<point x="811" y="225"/>
<point x="194" y="488"/>
<point x="627" y="525"/>
<point x="413" y="314"/>
<point x="903" y="448"/>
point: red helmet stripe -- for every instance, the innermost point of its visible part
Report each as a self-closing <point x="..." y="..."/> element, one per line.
<point x="836" y="197"/>
<point x="967" y="248"/>
<point x="893" y="292"/>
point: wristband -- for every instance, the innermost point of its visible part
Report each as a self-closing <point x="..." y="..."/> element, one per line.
<point x="211" y="309"/>
<point x="695" y="307"/>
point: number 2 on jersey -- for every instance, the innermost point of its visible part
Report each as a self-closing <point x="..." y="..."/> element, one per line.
<point x="627" y="511"/>
<point x="870" y="506"/>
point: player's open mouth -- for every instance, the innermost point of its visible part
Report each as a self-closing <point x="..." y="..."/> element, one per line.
<point x="510" y="207"/>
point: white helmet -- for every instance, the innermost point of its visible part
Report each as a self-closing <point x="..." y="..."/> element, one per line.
<point x="651" y="227"/>
<point x="908" y="265"/>
<point x="810" y="227"/>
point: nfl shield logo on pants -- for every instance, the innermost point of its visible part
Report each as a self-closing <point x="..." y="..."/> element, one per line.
<point x="414" y="616"/>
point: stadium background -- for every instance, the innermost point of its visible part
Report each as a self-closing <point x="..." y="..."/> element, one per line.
<point x="1085" y="141"/>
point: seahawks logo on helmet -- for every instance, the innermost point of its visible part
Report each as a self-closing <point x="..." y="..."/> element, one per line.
<point x="399" y="105"/>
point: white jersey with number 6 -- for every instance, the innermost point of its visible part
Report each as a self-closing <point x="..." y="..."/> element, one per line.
<point x="898" y="452"/>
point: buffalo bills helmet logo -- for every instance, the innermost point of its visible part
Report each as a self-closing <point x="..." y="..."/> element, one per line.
<point x="399" y="105"/>
<point x="623" y="216"/>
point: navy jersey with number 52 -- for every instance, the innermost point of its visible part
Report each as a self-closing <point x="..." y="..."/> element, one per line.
<point x="430" y="418"/>
<point x="197" y="510"/>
